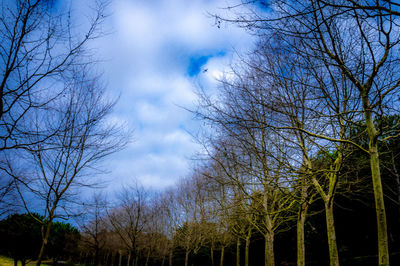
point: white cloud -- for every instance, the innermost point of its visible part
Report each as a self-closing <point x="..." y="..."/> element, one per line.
<point x="148" y="57"/>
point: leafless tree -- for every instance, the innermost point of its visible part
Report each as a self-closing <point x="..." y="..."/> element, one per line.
<point x="249" y="154"/>
<point x="359" y="40"/>
<point x="93" y="225"/>
<point x="41" y="46"/>
<point x="49" y="175"/>
<point x="192" y="205"/>
<point x="130" y="218"/>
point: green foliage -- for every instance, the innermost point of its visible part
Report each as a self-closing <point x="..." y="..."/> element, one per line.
<point x="21" y="238"/>
<point x="63" y="241"/>
<point x="20" y="234"/>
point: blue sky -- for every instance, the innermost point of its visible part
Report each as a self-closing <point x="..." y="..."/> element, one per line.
<point x="158" y="53"/>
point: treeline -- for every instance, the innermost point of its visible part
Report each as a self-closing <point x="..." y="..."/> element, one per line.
<point x="217" y="218"/>
<point x="301" y="150"/>
<point x="229" y="214"/>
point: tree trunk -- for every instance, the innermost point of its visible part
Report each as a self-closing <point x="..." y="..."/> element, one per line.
<point x="15" y="262"/>
<point x="301" y="250"/>
<point x="129" y="259"/>
<point x="330" y="228"/>
<point x="187" y="258"/>
<point x="221" y="262"/>
<point x="120" y="259"/>
<point x="269" y="258"/>
<point x="383" y="247"/>
<point x="147" y="258"/>
<point x="44" y="243"/>
<point x="212" y="255"/>
<point x="238" y="252"/>
<point x="247" y="247"/>
<point x="170" y="257"/>
<point x="163" y="260"/>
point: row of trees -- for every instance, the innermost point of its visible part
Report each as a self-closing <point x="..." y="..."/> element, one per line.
<point x="207" y="219"/>
<point x="305" y="123"/>
<point x="323" y="77"/>
<point x="227" y="213"/>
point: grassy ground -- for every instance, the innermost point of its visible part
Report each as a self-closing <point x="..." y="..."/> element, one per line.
<point x="5" y="261"/>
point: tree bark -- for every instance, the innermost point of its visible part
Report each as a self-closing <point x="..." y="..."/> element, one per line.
<point x="221" y="262"/>
<point x="383" y="247"/>
<point x="212" y="255"/>
<point x="269" y="249"/>
<point x="147" y="258"/>
<point x="330" y="228"/>
<point x="170" y="257"/>
<point x="247" y="248"/>
<point x="44" y="243"/>
<point x="238" y="252"/>
<point x="187" y="258"/>
<point x="301" y="219"/>
<point x="301" y="251"/>
<point x="129" y="259"/>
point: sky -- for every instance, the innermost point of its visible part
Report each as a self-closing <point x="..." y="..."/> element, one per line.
<point x="158" y="54"/>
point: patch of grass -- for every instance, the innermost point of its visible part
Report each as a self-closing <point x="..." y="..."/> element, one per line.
<point x="6" y="261"/>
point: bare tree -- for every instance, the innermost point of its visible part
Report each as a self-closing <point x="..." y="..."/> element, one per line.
<point x="130" y="218"/>
<point x="40" y="45"/>
<point x="252" y="155"/>
<point x="48" y="175"/>
<point x="359" y="40"/>
<point x="93" y="226"/>
<point x="192" y="204"/>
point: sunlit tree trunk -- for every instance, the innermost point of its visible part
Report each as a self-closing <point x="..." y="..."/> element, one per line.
<point x="221" y="262"/>
<point x="383" y="247"/>
<point x="238" y="252"/>
<point x="247" y="248"/>
<point x="330" y="228"/>
<point x="269" y="249"/>
<point x="301" y="250"/>
<point x="301" y="219"/>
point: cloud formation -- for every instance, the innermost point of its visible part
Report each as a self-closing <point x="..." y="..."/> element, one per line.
<point x="159" y="51"/>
